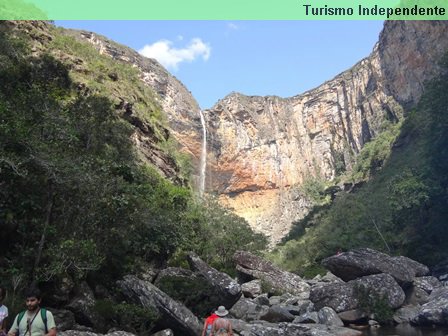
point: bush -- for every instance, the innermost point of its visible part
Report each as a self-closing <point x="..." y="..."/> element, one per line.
<point x="125" y="316"/>
<point x="374" y="304"/>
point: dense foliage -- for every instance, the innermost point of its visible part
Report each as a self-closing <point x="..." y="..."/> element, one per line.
<point x="402" y="209"/>
<point x="75" y="199"/>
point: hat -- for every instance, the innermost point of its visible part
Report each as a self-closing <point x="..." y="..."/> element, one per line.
<point x="221" y="311"/>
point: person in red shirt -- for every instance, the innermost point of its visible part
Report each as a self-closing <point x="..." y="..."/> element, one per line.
<point x="207" y="331"/>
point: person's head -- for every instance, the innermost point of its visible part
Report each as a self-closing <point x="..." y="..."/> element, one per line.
<point x="2" y="293"/>
<point x="33" y="298"/>
<point x="222" y="311"/>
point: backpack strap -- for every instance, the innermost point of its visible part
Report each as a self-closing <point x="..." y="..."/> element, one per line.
<point x="43" y="315"/>
<point x="19" y="318"/>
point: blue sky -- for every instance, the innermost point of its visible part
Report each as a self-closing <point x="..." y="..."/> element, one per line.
<point x="214" y="58"/>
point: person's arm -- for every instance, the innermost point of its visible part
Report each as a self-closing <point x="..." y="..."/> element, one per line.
<point x="51" y="332"/>
<point x="14" y="328"/>
<point x="230" y="328"/>
<point x="203" y="329"/>
<point x="50" y="325"/>
<point x="3" y="326"/>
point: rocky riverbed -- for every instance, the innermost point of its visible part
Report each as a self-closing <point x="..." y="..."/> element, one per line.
<point x="362" y="287"/>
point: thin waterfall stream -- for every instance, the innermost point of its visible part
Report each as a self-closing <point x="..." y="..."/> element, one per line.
<point x="203" y="161"/>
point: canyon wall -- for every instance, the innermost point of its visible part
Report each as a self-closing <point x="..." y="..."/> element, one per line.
<point x="261" y="149"/>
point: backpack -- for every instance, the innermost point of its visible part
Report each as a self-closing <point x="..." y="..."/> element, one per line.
<point x="43" y="315"/>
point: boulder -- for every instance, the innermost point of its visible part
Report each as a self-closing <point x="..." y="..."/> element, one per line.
<point x="275" y="279"/>
<point x="345" y="296"/>
<point x="328" y="316"/>
<point x="420" y="290"/>
<point x="173" y="314"/>
<point x="305" y="306"/>
<point x="353" y="315"/>
<point x="277" y="314"/>
<point x="311" y="317"/>
<point x="339" y="296"/>
<point x="365" y="261"/>
<point x="226" y="290"/>
<point x="262" y="300"/>
<point x="293" y="309"/>
<point x="417" y="268"/>
<point x="427" y="283"/>
<point x="406" y="314"/>
<point x="381" y="285"/>
<point x="82" y="306"/>
<point x="64" y="319"/>
<point x="275" y="300"/>
<point x="251" y="289"/>
<point x="193" y="290"/>
<point x="435" y="311"/>
<point x="248" y="310"/>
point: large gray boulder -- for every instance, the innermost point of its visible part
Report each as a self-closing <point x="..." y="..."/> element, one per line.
<point x="192" y="289"/>
<point x="345" y="296"/>
<point x="365" y="261"/>
<point x="328" y="316"/>
<point x="277" y="314"/>
<point x="275" y="279"/>
<point x="252" y="288"/>
<point x="82" y="306"/>
<point x="406" y="314"/>
<point x="64" y="319"/>
<point x="248" y="310"/>
<point x="339" y="296"/>
<point x="226" y="290"/>
<point x="418" y="293"/>
<point x="174" y="314"/>
<point x="435" y="311"/>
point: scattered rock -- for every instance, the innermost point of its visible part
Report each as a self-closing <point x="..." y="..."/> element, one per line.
<point x="275" y="279"/>
<point x="365" y="261"/>
<point x="252" y="288"/>
<point x="227" y="290"/>
<point x="178" y="317"/>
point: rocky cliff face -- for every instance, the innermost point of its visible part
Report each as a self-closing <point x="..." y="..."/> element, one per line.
<point x="262" y="148"/>
<point x="181" y="108"/>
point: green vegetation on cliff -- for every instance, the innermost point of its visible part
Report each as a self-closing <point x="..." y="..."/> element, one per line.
<point x="401" y="209"/>
<point x="76" y="200"/>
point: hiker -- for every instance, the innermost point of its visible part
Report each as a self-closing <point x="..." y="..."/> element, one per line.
<point x="3" y="312"/>
<point x="222" y="326"/>
<point x="207" y="330"/>
<point x="34" y="321"/>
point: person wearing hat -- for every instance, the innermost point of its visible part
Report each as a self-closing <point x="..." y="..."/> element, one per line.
<point x="222" y="326"/>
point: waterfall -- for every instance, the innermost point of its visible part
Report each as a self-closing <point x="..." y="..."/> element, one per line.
<point x="203" y="162"/>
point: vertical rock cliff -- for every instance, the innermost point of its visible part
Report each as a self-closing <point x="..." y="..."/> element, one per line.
<point x="262" y="148"/>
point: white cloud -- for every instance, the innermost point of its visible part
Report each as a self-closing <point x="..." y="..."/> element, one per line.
<point x="170" y="57"/>
<point x="232" y="26"/>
